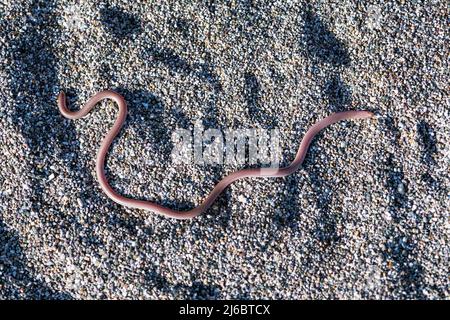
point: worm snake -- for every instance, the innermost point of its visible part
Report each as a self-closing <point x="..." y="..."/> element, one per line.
<point x="220" y="186"/>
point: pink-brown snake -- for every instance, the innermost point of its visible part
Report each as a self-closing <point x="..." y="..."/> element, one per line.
<point x="208" y="201"/>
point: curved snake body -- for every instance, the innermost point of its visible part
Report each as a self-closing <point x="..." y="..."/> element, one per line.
<point x="208" y="201"/>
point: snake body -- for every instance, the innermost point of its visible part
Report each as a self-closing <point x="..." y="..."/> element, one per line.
<point x="220" y="186"/>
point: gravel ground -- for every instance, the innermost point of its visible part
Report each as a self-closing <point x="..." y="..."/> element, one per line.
<point x="365" y="217"/>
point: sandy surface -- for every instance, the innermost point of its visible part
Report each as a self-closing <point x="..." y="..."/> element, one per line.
<point x="365" y="217"/>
